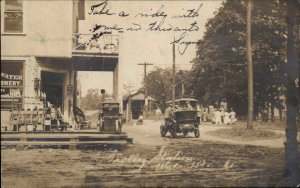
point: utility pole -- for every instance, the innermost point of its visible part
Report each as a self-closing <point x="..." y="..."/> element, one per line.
<point x="292" y="166"/>
<point x="173" y="77"/>
<point x="224" y="84"/>
<point x="182" y="90"/>
<point x="250" y="68"/>
<point x="145" y="86"/>
<point x="129" y="90"/>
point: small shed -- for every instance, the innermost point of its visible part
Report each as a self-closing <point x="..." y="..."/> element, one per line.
<point x="137" y="104"/>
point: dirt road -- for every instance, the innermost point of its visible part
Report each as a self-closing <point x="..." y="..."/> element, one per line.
<point x="151" y="161"/>
<point x="148" y="134"/>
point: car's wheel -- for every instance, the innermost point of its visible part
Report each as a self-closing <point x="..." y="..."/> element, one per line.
<point x="120" y="130"/>
<point x="197" y="133"/>
<point x="119" y="127"/>
<point x="102" y="127"/>
<point x="185" y="133"/>
<point x="163" y="131"/>
<point x="173" y="132"/>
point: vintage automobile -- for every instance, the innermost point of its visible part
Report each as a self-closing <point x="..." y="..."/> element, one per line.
<point x="110" y="120"/>
<point x="182" y="120"/>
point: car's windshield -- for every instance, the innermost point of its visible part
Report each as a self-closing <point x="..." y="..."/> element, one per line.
<point x="185" y="104"/>
<point x="185" y="115"/>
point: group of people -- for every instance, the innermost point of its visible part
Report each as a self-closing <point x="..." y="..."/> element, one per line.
<point x="215" y="115"/>
<point x="55" y="114"/>
<point x="222" y="116"/>
<point x="218" y="116"/>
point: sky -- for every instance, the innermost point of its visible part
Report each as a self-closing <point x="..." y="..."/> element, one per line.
<point x="144" y="45"/>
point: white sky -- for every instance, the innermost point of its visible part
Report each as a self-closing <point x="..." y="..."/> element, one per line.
<point x="146" y="46"/>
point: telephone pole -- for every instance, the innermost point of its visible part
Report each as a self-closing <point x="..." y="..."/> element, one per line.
<point x="250" y="68"/>
<point x="145" y="86"/>
<point x="173" y="77"/>
<point x="292" y="166"/>
<point x="129" y="89"/>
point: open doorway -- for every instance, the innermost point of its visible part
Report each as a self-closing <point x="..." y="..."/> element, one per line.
<point x="52" y="85"/>
<point x="89" y="97"/>
<point x="89" y="86"/>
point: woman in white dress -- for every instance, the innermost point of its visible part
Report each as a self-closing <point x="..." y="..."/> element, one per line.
<point x="232" y="117"/>
<point x="226" y="118"/>
<point x="218" y="117"/>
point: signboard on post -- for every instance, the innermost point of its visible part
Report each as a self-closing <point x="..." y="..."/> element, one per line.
<point x="70" y="90"/>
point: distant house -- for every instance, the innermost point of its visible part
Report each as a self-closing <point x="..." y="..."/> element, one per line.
<point x="137" y="104"/>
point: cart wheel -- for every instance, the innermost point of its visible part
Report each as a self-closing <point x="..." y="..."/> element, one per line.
<point x="15" y="127"/>
<point x="185" y="133"/>
<point x="197" y="133"/>
<point x="102" y="127"/>
<point x="163" y="131"/>
<point x="120" y="129"/>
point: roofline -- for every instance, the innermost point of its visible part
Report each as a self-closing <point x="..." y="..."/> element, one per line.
<point x="192" y="99"/>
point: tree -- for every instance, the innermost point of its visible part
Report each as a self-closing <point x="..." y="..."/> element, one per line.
<point x="183" y="84"/>
<point x="160" y="85"/>
<point x="92" y="101"/>
<point x="219" y="68"/>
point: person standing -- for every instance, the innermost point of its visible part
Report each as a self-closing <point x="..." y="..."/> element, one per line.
<point x="204" y="118"/>
<point x="158" y="113"/>
<point x="211" y="113"/>
<point x="168" y="113"/>
<point x="232" y="117"/>
<point x="218" y="117"/>
<point x="226" y="118"/>
<point x="222" y="114"/>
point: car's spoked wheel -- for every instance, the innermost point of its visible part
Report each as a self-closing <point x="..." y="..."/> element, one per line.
<point x="163" y="131"/>
<point x="197" y="133"/>
<point x="173" y="132"/>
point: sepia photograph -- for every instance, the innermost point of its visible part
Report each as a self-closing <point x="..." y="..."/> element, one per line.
<point x="150" y="93"/>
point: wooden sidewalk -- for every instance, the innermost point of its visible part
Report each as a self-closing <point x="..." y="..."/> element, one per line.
<point x="73" y="140"/>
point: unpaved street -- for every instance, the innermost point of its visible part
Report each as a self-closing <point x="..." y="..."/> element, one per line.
<point x="150" y="162"/>
<point x="148" y="134"/>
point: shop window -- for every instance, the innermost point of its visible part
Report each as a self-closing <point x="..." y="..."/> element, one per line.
<point x="13" y="16"/>
<point x="11" y="84"/>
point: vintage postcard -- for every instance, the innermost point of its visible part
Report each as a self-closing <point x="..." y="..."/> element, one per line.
<point x="150" y="93"/>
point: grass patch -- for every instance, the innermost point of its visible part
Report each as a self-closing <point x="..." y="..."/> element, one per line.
<point x="242" y="133"/>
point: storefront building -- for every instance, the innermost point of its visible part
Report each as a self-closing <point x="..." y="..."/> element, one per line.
<point x="41" y="52"/>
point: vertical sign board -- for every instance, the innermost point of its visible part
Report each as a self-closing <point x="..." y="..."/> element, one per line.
<point x="70" y="91"/>
<point x="11" y="84"/>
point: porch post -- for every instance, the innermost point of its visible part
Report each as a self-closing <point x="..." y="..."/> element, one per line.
<point x="70" y="102"/>
<point x="75" y="89"/>
<point x="116" y="82"/>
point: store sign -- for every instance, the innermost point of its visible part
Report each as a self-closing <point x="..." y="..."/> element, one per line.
<point x="11" y="80"/>
<point x="11" y="83"/>
<point x="11" y="93"/>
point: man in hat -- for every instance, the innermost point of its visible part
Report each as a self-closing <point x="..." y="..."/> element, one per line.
<point x="188" y="105"/>
<point x="168" y="113"/>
